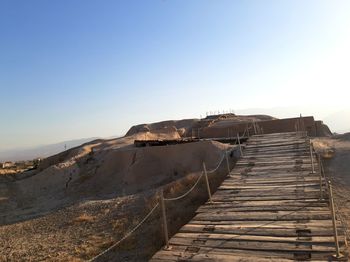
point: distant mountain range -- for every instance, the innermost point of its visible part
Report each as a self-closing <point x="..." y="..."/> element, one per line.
<point x="40" y="151"/>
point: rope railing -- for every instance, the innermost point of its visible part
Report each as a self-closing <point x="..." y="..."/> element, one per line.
<point x="335" y="211"/>
<point x="125" y="236"/>
<point x="162" y="199"/>
<point x="343" y="221"/>
<point x="199" y="178"/>
<point x="338" y="212"/>
<point x="186" y="193"/>
<point x="217" y="167"/>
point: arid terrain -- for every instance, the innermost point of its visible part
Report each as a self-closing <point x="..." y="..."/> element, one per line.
<point x="79" y="202"/>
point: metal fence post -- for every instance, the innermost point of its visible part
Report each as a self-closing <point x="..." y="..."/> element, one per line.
<point x="165" y="225"/>
<point x="312" y="159"/>
<point x="228" y="163"/>
<point x="207" y="182"/>
<point x="331" y="202"/>
<point x="239" y="144"/>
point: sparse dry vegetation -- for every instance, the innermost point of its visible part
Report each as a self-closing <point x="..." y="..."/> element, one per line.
<point x="84" y="218"/>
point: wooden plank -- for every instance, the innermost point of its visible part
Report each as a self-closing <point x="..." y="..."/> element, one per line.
<point x="188" y="253"/>
<point x="268" y="186"/>
<point x="305" y="181"/>
<point x="257" y="231"/>
<point x="300" y="203"/>
<point x="209" y="209"/>
<point x="184" y="253"/>
<point x="254" y="245"/>
<point x="264" y="198"/>
<point x="265" y="238"/>
<point x="271" y="177"/>
<point x="300" y="223"/>
<point x="266" y="193"/>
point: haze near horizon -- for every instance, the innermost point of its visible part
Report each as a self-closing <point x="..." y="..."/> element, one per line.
<point x="92" y="69"/>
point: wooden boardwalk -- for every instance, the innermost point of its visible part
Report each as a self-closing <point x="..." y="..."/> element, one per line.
<point x="268" y="209"/>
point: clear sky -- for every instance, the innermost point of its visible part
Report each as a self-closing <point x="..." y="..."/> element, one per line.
<point x="81" y="68"/>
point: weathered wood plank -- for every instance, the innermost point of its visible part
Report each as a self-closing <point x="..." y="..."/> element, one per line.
<point x="301" y="223"/>
<point x="257" y="216"/>
<point x="253" y="245"/>
<point x="249" y="237"/>
<point x="268" y="230"/>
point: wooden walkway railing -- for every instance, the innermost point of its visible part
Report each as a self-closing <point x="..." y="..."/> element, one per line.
<point x="271" y="207"/>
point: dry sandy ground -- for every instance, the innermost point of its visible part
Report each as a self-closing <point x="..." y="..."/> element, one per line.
<point x="81" y="201"/>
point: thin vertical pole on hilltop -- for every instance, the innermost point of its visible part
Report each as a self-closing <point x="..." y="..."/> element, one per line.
<point x="248" y="131"/>
<point x="312" y="159"/>
<point x="165" y="225"/>
<point x="239" y="144"/>
<point x="227" y="163"/>
<point x="207" y="182"/>
<point x="334" y="221"/>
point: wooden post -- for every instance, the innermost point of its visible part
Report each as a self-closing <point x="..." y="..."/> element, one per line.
<point x="207" y="182"/>
<point x="312" y="159"/>
<point x="331" y="203"/>
<point x="320" y="173"/>
<point x="322" y="169"/>
<point x="239" y="143"/>
<point x="228" y="164"/>
<point x="165" y="225"/>
<point x="248" y="130"/>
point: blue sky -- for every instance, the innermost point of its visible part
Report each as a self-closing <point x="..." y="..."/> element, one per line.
<point x="74" y="69"/>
